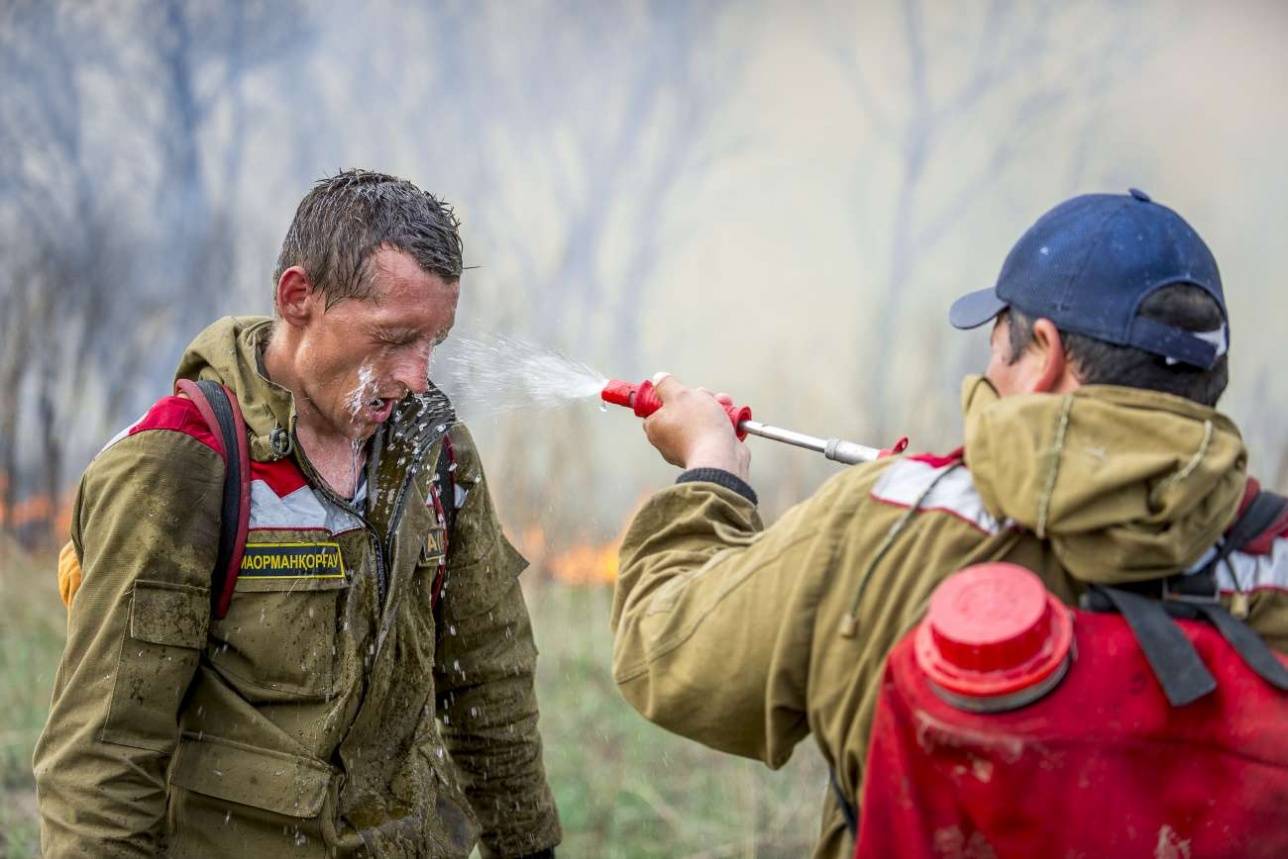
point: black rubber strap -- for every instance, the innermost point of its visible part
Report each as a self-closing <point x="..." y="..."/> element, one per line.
<point x="443" y="476"/>
<point x="1250" y="646"/>
<point x="230" y="509"/>
<point x="720" y="477"/>
<point x="1259" y="515"/>
<point x="445" y="486"/>
<point x="1170" y="654"/>
<point x="848" y="811"/>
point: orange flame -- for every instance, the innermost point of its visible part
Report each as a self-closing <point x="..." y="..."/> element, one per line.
<point x="587" y="564"/>
<point x="583" y="563"/>
<point x="34" y="510"/>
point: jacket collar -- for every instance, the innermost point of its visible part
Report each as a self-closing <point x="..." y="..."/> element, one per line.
<point x="231" y="352"/>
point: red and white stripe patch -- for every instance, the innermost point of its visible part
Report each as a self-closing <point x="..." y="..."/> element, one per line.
<point x="1253" y="572"/>
<point x="951" y="490"/>
<point x="281" y="499"/>
<point x="176" y="414"/>
<point x="280" y="495"/>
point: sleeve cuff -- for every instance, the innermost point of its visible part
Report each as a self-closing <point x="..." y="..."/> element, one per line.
<point x="719" y="477"/>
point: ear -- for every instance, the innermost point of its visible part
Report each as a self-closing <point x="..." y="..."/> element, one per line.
<point x="1055" y="373"/>
<point x="296" y="300"/>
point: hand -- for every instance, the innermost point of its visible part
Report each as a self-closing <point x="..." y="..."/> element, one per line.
<point x="692" y="429"/>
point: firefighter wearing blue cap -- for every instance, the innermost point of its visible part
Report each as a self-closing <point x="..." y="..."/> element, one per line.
<point x="1093" y="455"/>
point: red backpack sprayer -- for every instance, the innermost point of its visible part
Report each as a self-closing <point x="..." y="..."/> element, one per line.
<point x="642" y="399"/>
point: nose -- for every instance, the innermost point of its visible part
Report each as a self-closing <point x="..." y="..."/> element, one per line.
<point x="412" y="371"/>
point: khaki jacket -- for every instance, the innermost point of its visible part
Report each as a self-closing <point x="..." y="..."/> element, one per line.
<point x="749" y="639"/>
<point x="329" y="713"/>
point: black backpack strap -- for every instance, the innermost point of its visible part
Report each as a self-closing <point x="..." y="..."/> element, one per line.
<point x="848" y="811"/>
<point x="218" y="406"/>
<point x="445" y="504"/>
<point x="1254" y="651"/>
<point x="445" y="478"/>
<point x="1265" y="509"/>
<point x="1149" y="608"/>
<point x="1170" y="654"/>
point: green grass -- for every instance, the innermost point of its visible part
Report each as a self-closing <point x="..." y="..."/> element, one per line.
<point x="625" y="788"/>
<point x="32" y="629"/>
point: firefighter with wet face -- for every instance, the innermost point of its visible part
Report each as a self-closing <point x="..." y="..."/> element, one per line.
<point x="369" y="690"/>
<point x="1093" y="455"/>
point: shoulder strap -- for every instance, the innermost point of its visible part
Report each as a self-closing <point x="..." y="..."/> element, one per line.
<point x="1260" y="515"/>
<point x="1174" y="661"/>
<point x="848" y="810"/>
<point x="218" y="406"/>
<point x="445" y="504"/>
<point x="1176" y="664"/>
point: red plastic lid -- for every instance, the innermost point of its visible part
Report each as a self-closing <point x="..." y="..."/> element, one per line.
<point x="993" y="631"/>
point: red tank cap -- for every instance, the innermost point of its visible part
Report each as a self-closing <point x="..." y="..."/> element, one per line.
<point x="994" y="638"/>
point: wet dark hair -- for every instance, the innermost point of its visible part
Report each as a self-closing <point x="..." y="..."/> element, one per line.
<point x="345" y="218"/>
<point x="1096" y="362"/>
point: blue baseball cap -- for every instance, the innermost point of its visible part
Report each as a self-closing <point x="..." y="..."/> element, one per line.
<point x="1089" y="263"/>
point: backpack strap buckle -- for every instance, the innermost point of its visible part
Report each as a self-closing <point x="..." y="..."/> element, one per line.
<point x="1197" y="589"/>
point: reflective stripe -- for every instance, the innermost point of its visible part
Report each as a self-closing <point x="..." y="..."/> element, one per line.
<point x="280" y="497"/>
<point x="299" y="510"/>
<point x="123" y="433"/>
<point x="903" y="483"/>
<point x="1256" y="571"/>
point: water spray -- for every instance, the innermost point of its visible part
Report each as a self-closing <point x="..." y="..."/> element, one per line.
<point x="643" y="400"/>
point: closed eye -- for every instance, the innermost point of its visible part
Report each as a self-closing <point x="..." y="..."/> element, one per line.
<point x="397" y="338"/>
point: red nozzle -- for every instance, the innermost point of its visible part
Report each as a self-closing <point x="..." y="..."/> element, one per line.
<point x="644" y="401"/>
<point x="619" y="393"/>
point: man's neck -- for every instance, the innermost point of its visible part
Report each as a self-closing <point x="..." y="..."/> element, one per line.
<point x="337" y="458"/>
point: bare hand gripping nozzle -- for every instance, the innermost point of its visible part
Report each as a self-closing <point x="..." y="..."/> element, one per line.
<point x="643" y="400"/>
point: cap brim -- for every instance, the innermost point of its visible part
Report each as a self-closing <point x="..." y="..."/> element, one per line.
<point x="975" y="308"/>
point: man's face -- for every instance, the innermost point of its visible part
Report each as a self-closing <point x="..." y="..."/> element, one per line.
<point x="359" y="358"/>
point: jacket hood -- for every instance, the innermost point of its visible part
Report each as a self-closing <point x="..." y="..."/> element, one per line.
<point x="229" y="352"/>
<point x="1126" y="484"/>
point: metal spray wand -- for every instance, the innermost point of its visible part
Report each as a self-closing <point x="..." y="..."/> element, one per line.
<point x="644" y="401"/>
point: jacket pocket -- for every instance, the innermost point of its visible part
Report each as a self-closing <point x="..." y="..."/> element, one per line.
<point x="278" y="640"/>
<point x="171" y="614"/>
<point x="267" y="779"/>
<point x="159" y="653"/>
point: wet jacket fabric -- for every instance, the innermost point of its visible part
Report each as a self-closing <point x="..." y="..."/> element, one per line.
<point x="330" y="712"/>
<point x="748" y="638"/>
